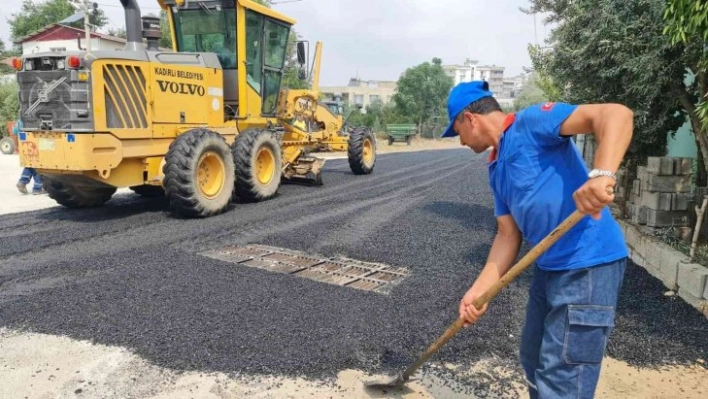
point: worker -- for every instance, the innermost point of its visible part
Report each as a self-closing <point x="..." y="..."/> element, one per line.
<point x="300" y="122"/>
<point x="28" y="173"/>
<point x="537" y="179"/>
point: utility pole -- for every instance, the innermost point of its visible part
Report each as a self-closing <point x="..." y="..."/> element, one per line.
<point x="86" y="6"/>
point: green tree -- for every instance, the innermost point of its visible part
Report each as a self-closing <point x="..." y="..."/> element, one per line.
<point x="615" y="51"/>
<point x="687" y="20"/>
<point x="119" y="32"/>
<point x="9" y="102"/>
<point x="541" y="69"/>
<point x="36" y="15"/>
<point x="422" y="91"/>
<point x="166" y="39"/>
<point x="530" y="94"/>
<point x="4" y="69"/>
<point x="291" y="75"/>
<point x="687" y="25"/>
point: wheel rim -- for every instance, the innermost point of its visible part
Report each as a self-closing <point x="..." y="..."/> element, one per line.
<point x="368" y="151"/>
<point x="211" y="173"/>
<point x="265" y="165"/>
<point x="5" y="147"/>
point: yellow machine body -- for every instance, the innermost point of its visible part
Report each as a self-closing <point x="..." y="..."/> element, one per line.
<point x="112" y="120"/>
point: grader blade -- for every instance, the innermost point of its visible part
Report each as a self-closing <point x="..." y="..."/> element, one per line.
<point x="306" y="170"/>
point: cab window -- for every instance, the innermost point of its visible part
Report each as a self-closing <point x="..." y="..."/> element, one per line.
<point x="208" y="30"/>
<point x="254" y="49"/>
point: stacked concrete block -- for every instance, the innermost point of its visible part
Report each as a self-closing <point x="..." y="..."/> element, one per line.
<point x="692" y="279"/>
<point x="692" y="285"/>
<point x="661" y="193"/>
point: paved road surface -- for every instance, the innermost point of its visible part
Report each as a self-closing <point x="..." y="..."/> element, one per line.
<point x="129" y="274"/>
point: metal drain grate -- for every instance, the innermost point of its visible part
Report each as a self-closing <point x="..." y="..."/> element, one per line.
<point x="338" y="270"/>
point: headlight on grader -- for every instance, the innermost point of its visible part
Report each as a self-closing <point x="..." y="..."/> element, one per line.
<point x="17" y="63"/>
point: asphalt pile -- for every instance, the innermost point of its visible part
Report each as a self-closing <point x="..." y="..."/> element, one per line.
<point x="129" y="274"/>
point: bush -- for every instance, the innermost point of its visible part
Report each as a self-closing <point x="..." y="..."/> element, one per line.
<point x="9" y="102"/>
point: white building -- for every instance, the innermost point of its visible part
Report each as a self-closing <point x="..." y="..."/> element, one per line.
<point x="470" y="71"/>
<point x="362" y="92"/>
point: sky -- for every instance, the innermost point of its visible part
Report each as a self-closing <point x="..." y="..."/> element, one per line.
<point x="380" y="39"/>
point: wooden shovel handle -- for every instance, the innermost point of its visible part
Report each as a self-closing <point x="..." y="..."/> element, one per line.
<point x="528" y="259"/>
<point x="514" y="272"/>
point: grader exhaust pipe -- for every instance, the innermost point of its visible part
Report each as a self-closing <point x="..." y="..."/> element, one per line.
<point x="133" y="25"/>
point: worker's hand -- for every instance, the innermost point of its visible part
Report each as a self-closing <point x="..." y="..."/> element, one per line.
<point x="594" y="195"/>
<point x="467" y="310"/>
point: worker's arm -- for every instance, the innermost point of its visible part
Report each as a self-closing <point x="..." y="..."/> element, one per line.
<point x="504" y="251"/>
<point x="612" y="125"/>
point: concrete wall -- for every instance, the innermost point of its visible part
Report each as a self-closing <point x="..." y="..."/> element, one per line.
<point x="33" y="47"/>
<point x="670" y="266"/>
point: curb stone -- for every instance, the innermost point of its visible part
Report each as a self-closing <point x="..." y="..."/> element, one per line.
<point x="689" y="280"/>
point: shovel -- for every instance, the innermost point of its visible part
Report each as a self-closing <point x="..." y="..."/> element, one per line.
<point x="514" y="272"/>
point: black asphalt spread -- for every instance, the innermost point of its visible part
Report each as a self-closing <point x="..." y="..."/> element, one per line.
<point x="129" y="274"/>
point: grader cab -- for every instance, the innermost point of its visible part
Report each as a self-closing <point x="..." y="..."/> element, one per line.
<point x="204" y="124"/>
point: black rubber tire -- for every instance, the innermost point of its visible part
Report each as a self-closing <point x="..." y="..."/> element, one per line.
<point x="7" y="146"/>
<point x="149" y="191"/>
<point x="390" y="140"/>
<point x="409" y="140"/>
<point x="245" y="149"/>
<point x="181" y="181"/>
<point x="76" y="197"/>
<point x="355" y="152"/>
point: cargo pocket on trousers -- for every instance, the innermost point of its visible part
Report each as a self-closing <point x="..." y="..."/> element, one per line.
<point x="586" y="332"/>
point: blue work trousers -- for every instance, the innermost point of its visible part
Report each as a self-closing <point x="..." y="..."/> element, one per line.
<point x="569" y="318"/>
<point x="30" y="173"/>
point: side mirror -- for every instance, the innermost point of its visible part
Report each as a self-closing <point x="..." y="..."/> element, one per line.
<point x="301" y="53"/>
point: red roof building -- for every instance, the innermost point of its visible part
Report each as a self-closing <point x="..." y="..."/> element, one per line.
<point x="59" y="37"/>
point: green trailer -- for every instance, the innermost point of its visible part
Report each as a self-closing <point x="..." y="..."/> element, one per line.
<point x="401" y="132"/>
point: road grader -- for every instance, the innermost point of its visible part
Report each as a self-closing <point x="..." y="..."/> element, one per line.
<point x="205" y="124"/>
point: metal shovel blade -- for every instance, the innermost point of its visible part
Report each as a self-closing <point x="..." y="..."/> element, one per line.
<point x="398" y="382"/>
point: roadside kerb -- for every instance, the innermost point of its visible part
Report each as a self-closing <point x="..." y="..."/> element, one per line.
<point x="688" y="280"/>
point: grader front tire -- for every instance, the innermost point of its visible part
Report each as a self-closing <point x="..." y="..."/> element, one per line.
<point x="258" y="160"/>
<point x="362" y="151"/>
<point x="76" y="197"/>
<point x="199" y="174"/>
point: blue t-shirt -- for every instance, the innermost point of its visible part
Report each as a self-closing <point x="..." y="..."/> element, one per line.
<point x="533" y="179"/>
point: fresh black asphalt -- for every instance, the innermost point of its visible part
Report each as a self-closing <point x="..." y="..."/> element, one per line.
<point x="129" y="274"/>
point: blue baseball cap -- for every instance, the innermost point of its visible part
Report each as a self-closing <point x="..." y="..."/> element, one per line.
<point x="460" y="97"/>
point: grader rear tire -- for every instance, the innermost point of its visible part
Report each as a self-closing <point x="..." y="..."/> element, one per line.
<point x="258" y="160"/>
<point x="362" y="151"/>
<point x="199" y="174"/>
<point x="148" y="191"/>
<point x="76" y="197"/>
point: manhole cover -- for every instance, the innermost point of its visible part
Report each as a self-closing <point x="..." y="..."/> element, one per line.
<point x="339" y="271"/>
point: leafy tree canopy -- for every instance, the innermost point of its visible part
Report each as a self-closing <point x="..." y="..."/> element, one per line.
<point x="422" y="91"/>
<point x="615" y="51"/>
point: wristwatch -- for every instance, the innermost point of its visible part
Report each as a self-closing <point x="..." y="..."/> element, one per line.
<point x="599" y="172"/>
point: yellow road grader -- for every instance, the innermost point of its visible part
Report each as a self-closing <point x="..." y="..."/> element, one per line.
<point x="204" y="124"/>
